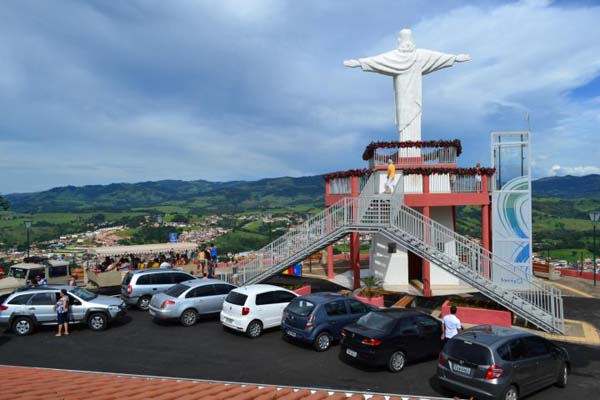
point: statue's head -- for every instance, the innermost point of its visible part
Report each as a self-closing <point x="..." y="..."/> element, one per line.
<point x="405" y="42"/>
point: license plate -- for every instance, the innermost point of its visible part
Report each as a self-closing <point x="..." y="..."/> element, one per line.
<point x="351" y="353"/>
<point x="461" y="369"/>
<point x="228" y="319"/>
<point x="290" y="333"/>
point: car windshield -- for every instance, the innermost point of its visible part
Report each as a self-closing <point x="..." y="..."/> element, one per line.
<point x="84" y="294"/>
<point x="468" y="351"/>
<point x="236" y="298"/>
<point x="19" y="273"/>
<point x="376" y="320"/>
<point x="175" y="291"/>
<point x="300" y="307"/>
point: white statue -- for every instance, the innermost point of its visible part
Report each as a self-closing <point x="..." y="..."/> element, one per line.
<point x="407" y="64"/>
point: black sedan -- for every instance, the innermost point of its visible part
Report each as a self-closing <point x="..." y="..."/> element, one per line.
<point x="390" y="338"/>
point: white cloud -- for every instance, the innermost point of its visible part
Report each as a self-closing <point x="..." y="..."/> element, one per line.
<point x="558" y="170"/>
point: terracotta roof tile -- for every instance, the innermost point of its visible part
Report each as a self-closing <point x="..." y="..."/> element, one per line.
<point x="71" y="385"/>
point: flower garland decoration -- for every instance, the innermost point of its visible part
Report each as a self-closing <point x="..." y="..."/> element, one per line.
<point x="370" y="150"/>
<point x="453" y="171"/>
<point x="346" y="174"/>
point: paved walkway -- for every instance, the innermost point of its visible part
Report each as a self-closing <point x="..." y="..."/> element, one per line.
<point x="63" y="384"/>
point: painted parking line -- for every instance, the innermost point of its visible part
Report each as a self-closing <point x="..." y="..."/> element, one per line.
<point x="570" y="289"/>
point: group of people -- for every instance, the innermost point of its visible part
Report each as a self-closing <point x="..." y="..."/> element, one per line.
<point x="207" y="261"/>
<point x="41" y="281"/>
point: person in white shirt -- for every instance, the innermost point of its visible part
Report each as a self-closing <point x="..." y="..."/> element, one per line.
<point x="450" y="325"/>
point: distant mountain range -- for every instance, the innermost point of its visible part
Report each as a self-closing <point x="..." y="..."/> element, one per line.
<point x="198" y="196"/>
<point x="568" y="186"/>
<point x="235" y="196"/>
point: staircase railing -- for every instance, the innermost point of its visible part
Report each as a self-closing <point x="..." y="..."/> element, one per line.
<point x="530" y="298"/>
<point x="541" y="302"/>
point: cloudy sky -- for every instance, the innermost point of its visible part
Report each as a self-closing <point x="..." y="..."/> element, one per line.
<point x="94" y="92"/>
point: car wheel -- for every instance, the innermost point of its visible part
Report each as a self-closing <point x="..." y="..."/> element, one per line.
<point x="22" y="326"/>
<point x="511" y="393"/>
<point x="97" y="322"/>
<point x="254" y="329"/>
<point x="397" y="361"/>
<point x="322" y="341"/>
<point x="144" y="303"/>
<point x="189" y="317"/>
<point x="563" y="376"/>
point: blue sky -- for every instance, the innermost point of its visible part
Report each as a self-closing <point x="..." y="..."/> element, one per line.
<point x="100" y="91"/>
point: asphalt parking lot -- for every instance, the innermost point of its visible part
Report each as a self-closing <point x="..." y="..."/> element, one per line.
<point x="138" y="345"/>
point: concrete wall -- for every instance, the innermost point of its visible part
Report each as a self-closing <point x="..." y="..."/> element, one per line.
<point x="444" y="216"/>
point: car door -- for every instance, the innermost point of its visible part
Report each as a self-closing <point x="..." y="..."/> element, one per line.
<point x="266" y="307"/>
<point x="281" y="299"/>
<point x="545" y="368"/>
<point x="524" y="367"/>
<point x="405" y="336"/>
<point x="221" y="292"/>
<point x="337" y="315"/>
<point x="41" y="305"/>
<point x="76" y="308"/>
<point x="162" y="281"/>
<point x="202" y="298"/>
<point x="430" y="335"/>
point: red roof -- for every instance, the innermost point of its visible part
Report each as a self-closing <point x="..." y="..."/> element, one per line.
<point x="25" y="383"/>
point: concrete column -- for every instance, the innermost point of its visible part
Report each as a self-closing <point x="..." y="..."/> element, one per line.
<point x="355" y="258"/>
<point x="330" y="262"/>
<point x="426" y="265"/>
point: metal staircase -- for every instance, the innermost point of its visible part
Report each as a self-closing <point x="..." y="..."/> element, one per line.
<point x="534" y="300"/>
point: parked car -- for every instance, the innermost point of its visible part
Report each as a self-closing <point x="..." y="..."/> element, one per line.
<point x="319" y="318"/>
<point x="253" y="308"/>
<point x="30" y="307"/>
<point x="187" y="300"/>
<point x="391" y="338"/>
<point x="501" y="363"/>
<point x="138" y="287"/>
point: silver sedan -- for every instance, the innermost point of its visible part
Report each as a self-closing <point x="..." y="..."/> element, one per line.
<point x="186" y="301"/>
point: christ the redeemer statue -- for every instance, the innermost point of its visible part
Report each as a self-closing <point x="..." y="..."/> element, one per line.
<point x="406" y="65"/>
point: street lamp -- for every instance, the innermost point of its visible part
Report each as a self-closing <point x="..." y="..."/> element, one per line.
<point x="159" y="219"/>
<point x="27" y="221"/>
<point x="594" y="217"/>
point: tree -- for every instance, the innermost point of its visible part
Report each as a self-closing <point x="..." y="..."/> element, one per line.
<point x="4" y="204"/>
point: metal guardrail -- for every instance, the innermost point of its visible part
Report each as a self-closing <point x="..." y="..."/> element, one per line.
<point x="533" y="300"/>
<point x="416" y="156"/>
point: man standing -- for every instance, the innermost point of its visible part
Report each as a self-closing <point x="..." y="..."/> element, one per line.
<point x="214" y="258"/>
<point x="450" y="325"/>
<point x="391" y="175"/>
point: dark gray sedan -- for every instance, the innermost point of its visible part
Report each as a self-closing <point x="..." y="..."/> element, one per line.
<point x="501" y="363"/>
<point x="186" y="301"/>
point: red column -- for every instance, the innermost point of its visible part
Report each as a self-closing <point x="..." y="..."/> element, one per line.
<point x="485" y="235"/>
<point x="327" y="191"/>
<point x="354" y="186"/>
<point x="355" y="258"/>
<point x="425" y="183"/>
<point x="426" y="265"/>
<point x="330" y="262"/>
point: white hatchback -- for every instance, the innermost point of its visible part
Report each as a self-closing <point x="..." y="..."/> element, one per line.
<point x="253" y="308"/>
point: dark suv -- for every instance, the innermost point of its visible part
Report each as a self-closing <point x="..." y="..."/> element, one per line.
<point x="501" y="363"/>
<point x="318" y="318"/>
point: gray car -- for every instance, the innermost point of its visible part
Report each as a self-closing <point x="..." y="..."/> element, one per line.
<point x="186" y="301"/>
<point x="138" y="287"/>
<point x="33" y="306"/>
<point x="492" y="362"/>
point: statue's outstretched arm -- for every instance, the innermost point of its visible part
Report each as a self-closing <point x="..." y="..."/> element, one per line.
<point x="352" y="63"/>
<point x="463" y="58"/>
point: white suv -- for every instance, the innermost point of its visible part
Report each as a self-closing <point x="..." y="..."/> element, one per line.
<point x="252" y="308"/>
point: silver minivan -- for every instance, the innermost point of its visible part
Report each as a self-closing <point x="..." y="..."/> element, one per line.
<point x="138" y="287"/>
<point x="186" y="301"/>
